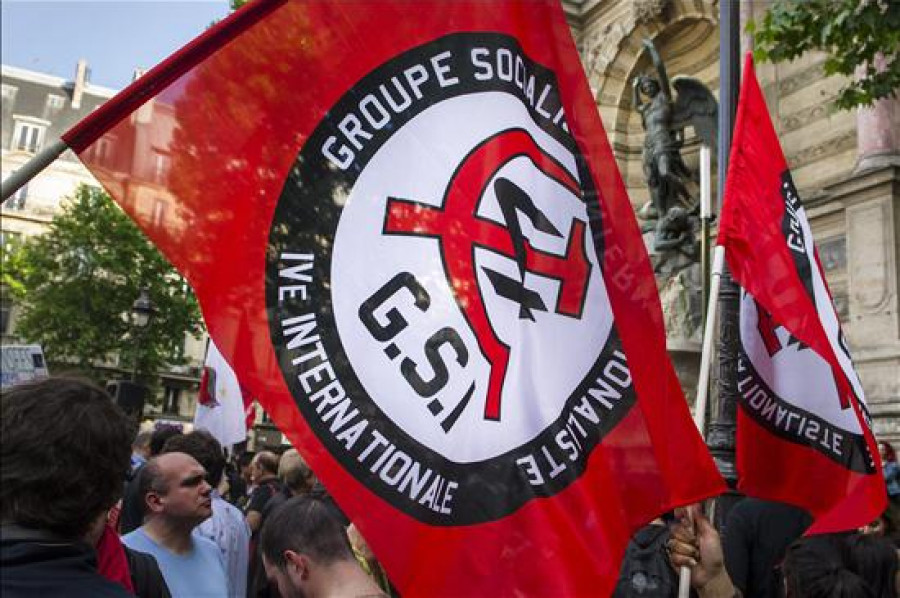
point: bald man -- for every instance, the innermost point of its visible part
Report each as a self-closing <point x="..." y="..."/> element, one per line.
<point x="263" y="475"/>
<point x="176" y="499"/>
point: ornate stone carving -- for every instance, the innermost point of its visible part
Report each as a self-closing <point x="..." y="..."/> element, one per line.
<point x="644" y="11"/>
<point x="680" y="299"/>
<point x="664" y="116"/>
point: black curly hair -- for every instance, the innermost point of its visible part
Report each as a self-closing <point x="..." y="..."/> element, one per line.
<point x="202" y="446"/>
<point x="64" y="451"/>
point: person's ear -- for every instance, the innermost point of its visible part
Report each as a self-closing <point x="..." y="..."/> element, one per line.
<point x="299" y="562"/>
<point x="154" y="501"/>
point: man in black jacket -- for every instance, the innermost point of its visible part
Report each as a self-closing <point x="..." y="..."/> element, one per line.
<point x="65" y="451"/>
<point x="758" y="535"/>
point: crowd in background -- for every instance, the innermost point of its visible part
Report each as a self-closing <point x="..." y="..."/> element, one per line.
<point x="91" y="509"/>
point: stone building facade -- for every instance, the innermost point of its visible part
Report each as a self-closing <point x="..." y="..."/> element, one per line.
<point x="846" y="164"/>
<point x="36" y="109"/>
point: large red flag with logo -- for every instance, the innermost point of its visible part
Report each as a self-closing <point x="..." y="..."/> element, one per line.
<point x="804" y="433"/>
<point x="409" y="237"/>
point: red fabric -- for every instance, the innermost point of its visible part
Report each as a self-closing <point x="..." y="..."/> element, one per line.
<point x="249" y="408"/>
<point x="758" y="233"/>
<point x="226" y="134"/>
<point x="111" y="560"/>
<point x="206" y="392"/>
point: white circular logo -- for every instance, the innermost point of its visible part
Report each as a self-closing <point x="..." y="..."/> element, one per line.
<point x="453" y="345"/>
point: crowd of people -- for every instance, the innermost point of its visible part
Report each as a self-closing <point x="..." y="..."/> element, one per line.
<point x="89" y="509"/>
<point x="763" y="552"/>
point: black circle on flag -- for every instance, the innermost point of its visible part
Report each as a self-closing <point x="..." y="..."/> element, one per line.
<point x="434" y="288"/>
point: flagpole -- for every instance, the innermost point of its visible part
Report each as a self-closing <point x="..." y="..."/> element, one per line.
<point x="714" y="284"/>
<point x="20" y="177"/>
<point x="708" y="337"/>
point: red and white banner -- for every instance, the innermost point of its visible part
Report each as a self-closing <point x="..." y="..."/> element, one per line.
<point x="803" y="434"/>
<point x="220" y="402"/>
<point x="408" y="235"/>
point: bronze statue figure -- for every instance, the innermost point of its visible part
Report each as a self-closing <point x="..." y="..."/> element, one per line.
<point x="664" y="119"/>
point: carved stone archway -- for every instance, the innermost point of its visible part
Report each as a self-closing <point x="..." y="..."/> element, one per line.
<point x="685" y="32"/>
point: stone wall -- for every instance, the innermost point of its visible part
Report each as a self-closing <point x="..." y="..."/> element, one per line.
<point x="852" y="202"/>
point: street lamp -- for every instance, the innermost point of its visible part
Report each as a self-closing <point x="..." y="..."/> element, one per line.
<point x="141" y="313"/>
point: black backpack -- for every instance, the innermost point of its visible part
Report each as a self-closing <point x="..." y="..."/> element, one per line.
<point x="645" y="571"/>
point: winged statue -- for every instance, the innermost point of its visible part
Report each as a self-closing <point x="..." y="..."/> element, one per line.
<point x="664" y="116"/>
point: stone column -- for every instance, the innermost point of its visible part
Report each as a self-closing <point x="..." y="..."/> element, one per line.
<point x="878" y="132"/>
<point x="871" y="200"/>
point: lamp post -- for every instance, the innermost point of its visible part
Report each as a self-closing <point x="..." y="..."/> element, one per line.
<point x="141" y="313"/>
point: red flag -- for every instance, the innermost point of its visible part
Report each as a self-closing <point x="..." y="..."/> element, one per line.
<point x="804" y="434"/>
<point x="221" y="400"/>
<point x="249" y="408"/>
<point x="206" y="395"/>
<point x="408" y="235"/>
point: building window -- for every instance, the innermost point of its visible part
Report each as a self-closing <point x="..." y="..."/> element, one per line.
<point x="53" y="105"/>
<point x="17" y="201"/>
<point x="9" y="96"/>
<point x="171" y="400"/>
<point x="161" y="163"/>
<point x="10" y="240"/>
<point x="159" y="212"/>
<point x="55" y="102"/>
<point x="102" y="149"/>
<point x="28" y="137"/>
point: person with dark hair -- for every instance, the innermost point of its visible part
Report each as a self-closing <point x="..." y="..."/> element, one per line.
<point x="132" y="514"/>
<point x="226" y="527"/>
<point x="306" y="553"/>
<point x="267" y="486"/>
<point x="297" y="479"/>
<point x="64" y="451"/>
<point x="239" y="485"/>
<point x="816" y="567"/>
<point x="875" y="559"/>
<point x="645" y="570"/>
<point x="823" y="566"/>
<point x="264" y="476"/>
<point x="177" y="499"/>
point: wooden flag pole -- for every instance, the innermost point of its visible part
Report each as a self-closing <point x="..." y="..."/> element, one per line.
<point x="705" y="224"/>
<point x="710" y="285"/>
<point x="708" y="337"/>
<point x="684" y="574"/>
<point x="20" y="177"/>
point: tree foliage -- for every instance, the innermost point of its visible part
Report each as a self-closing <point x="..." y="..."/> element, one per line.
<point x="851" y="32"/>
<point x="76" y="285"/>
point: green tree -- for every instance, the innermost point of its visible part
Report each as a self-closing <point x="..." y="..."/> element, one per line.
<point x="851" y="32"/>
<point x="76" y="285"/>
